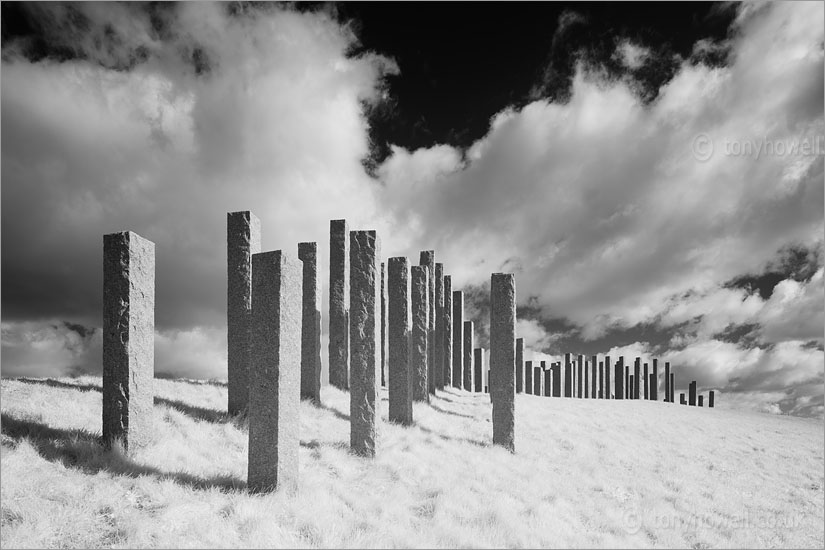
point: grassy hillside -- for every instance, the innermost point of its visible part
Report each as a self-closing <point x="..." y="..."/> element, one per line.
<point x="586" y="473"/>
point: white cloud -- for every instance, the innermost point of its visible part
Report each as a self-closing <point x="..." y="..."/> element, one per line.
<point x="794" y="311"/>
<point x="631" y="55"/>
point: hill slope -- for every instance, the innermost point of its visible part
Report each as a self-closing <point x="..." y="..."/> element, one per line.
<point x="586" y="473"/>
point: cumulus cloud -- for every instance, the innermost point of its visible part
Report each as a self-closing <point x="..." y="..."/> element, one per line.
<point x="631" y="55"/>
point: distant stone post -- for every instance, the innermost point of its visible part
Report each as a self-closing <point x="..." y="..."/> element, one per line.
<point x="654" y="386"/>
<point x="365" y="340"/>
<point x="637" y="366"/>
<point x="243" y="239"/>
<point x="128" y="339"/>
<point x="586" y="380"/>
<point x="632" y="396"/>
<point x="601" y="380"/>
<point x="672" y="386"/>
<point x="646" y="382"/>
<point x="339" y="295"/>
<point x="468" y="356"/>
<point x="710" y="399"/>
<point x="478" y="375"/>
<point x="607" y="377"/>
<point x="692" y="394"/>
<point x="667" y="382"/>
<point x="547" y="380"/>
<point x="274" y="390"/>
<point x="593" y="380"/>
<point x="427" y="259"/>
<point x="438" y="335"/>
<point x="628" y="394"/>
<point x="568" y="376"/>
<point x="384" y="324"/>
<point x="579" y="368"/>
<point x="537" y="380"/>
<point x="458" y="338"/>
<point x="310" y="324"/>
<point x="399" y="312"/>
<point x="618" y="379"/>
<point x="701" y="400"/>
<point x="503" y="357"/>
<point x="448" y="331"/>
<point x="519" y="365"/>
<point x="420" y="330"/>
<point x="528" y="377"/>
<point x="682" y="399"/>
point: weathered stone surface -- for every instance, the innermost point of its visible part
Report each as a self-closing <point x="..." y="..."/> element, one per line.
<point x="339" y="294"/>
<point x="427" y="259"/>
<point x="701" y="399"/>
<point x="692" y="394"/>
<point x="667" y="382"/>
<point x="310" y="323"/>
<point x="672" y="387"/>
<point x="519" y="365"/>
<point x="503" y="357"/>
<point x="467" y="367"/>
<point x="568" y="376"/>
<point x="601" y="380"/>
<point x="636" y="377"/>
<point x="400" y="369"/>
<point x="438" y="364"/>
<point x="682" y="399"/>
<point x="365" y="340"/>
<point x="128" y="339"/>
<point x="243" y="239"/>
<point x="654" y="387"/>
<point x="478" y="372"/>
<point x="448" y="331"/>
<point x="593" y="379"/>
<point x="618" y="379"/>
<point x="275" y="378"/>
<point x="528" y="377"/>
<point x="628" y="387"/>
<point x="546" y="380"/>
<point x="579" y="376"/>
<point x="607" y="386"/>
<point x="537" y="380"/>
<point x="631" y="386"/>
<point x="557" y="380"/>
<point x="419" y="354"/>
<point x="384" y="323"/>
<point x="710" y="398"/>
<point x="458" y="338"/>
<point x="646" y="382"/>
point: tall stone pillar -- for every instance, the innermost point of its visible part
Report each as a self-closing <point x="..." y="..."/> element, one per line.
<point x="710" y="399"/>
<point x="692" y="394"/>
<point x="339" y="294"/>
<point x="420" y="331"/>
<point x="365" y="340"/>
<point x="503" y="357"/>
<point x="243" y="239"/>
<point x="607" y="386"/>
<point x="672" y="387"/>
<point x="438" y="364"/>
<point x="593" y="381"/>
<point x="468" y="356"/>
<point x="654" y="387"/>
<point x="427" y="259"/>
<point x="128" y="339"/>
<point x="568" y="376"/>
<point x="274" y="390"/>
<point x="458" y="339"/>
<point x="546" y="380"/>
<point x="667" y="382"/>
<point x="310" y="324"/>
<point x="399" y="329"/>
<point x="579" y="377"/>
<point x="557" y="380"/>
<point x="528" y="377"/>
<point x="636" y="377"/>
<point x="585" y="392"/>
<point x="682" y="399"/>
<point x="478" y="375"/>
<point x="384" y="323"/>
<point x="601" y="380"/>
<point x="628" y="394"/>
<point x="618" y="379"/>
<point x="448" y="331"/>
<point x="701" y="399"/>
<point x="519" y="365"/>
<point x="537" y="380"/>
<point x="646" y="382"/>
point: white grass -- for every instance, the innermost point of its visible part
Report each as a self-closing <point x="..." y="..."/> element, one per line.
<point x="585" y="474"/>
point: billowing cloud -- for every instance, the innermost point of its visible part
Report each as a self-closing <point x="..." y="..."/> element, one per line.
<point x="631" y="55"/>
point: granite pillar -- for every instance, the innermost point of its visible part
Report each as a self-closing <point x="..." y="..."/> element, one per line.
<point x="503" y="357"/>
<point x="467" y="366"/>
<point x="310" y="323"/>
<point x="339" y="294"/>
<point x="400" y="369"/>
<point x="458" y="338"/>
<point x="419" y="354"/>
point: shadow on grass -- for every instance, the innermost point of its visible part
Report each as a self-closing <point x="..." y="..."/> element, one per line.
<point x="59" y="384"/>
<point x="454" y="439"/>
<point x="82" y="450"/>
<point x="453" y="413"/>
<point x="336" y="412"/>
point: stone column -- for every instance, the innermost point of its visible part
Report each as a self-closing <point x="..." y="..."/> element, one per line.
<point x="274" y="390"/>
<point x="607" y="389"/>
<point x="528" y="377"/>
<point x="420" y="330"/>
<point x="427" y="259"/>
<point x="365" y="340"/>
<point x="458" y="338"/>
<point x="310" y="324"/>
<point x="557" y="380"/>
<point x="503" y="357"/>
<point x="448" y="331"/>
<point x="672" y="386"/>
<point x="467" y="366"/>
<point x="438" y="365"/>
<point x="579" y="379"/>
<point x="654" y="387"/>
<point x="585" y="393"/>
<point x="601" y="380"/>
<point x="692" y="394"/>
<point x="128" y="339"/>
<point x="618" y="379"/>
<point x="637" y="365"/>
<point x="519" y="365"/>
<point x="400" y="375"/>
<point x="701" y="399"/>
<point x="547" y="380"/>
<point x="568" y="376"/>
<point x="682" y="399"/>
<point x="646" y="382"/>
<point x="632" y="381"/>
<point x="667" y="382"/>
<point x="710" y="399"/>
<point x="593" y="380"/>
<point x="478" y="375"/>
<point x="384" y="323"/>
<point x="243" y="239"/>
<point x="628" y="393"/>
<point x="339" y="294"/>
<point x="536" y="380"/>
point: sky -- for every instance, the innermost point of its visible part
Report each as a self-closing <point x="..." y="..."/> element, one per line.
<point x="652" y="174"/>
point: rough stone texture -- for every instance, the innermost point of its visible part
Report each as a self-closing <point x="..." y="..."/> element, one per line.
<point x="607" y="377"/>
<point x="365" y="340"/>
<point x="384" y="322"/>
<point x="710" y="398"/>
<point x="701" y="399"/>
<point x="438" y="362"/>
<point x="636" y="378"/>
<point x="593" y="377"/>
<point x="692" y="394"/>
<point x="586" y="380"/>
<point x="618" y="378"/>
<point x="568" y="376"/>
<point x="647" y="382"/>
<point x="557" y="380"/>
<point x="467" y="367"/>
<point x="427" y="259"/>
<point x="537" y="380"/>
<point x="654" y="386"/>
<point x="528" y="377"/>
<point x="503" y="357"/>
<point x="628" y="387"/>
<point x="667" y="382"/>
<point x="243" y="239"/>
<point x="578" y="375"/>
<point x="310" y="323"/>
<point x="546" y="380"/>
<point x="519" y="365"/>
<point x="448" y="331"/>
<point x="339" y="294"/>
<point x="672" y="387"/>
<point x="631" y="385"/>
<point x="419" y="354"/>
<point x="478" y="375"/>
<point x="128" y="339"/>
<point x="458" y="338"/>
<point x="682" y="399"/>
<point x="400" y="372"/>
<point x="275" y="378"/>
<point x="601" y="379"/>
